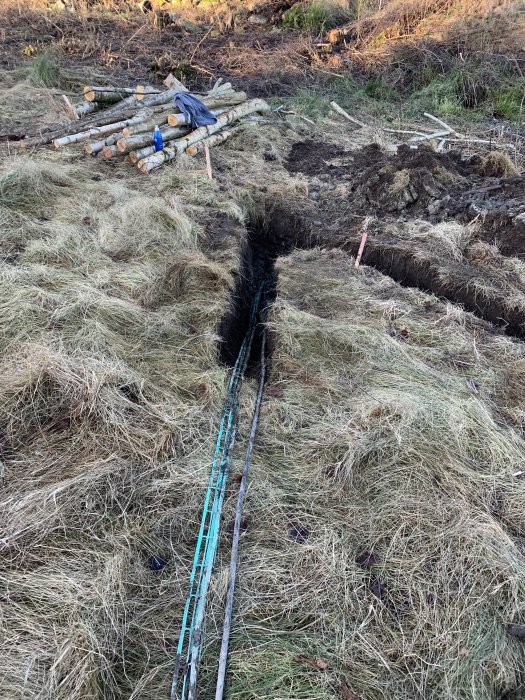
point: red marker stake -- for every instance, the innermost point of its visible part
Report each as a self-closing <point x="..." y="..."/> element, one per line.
<point x="364" y="236"/>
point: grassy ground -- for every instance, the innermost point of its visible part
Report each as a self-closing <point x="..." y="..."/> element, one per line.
<point x="390" y="433"/>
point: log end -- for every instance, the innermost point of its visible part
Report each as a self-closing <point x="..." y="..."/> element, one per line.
<point x="121" y="145"/>
<point x="89" y="94"/>
<point x="133" y="157"/>
<point x="192" y="150"/>
<point x="107" y="152"/>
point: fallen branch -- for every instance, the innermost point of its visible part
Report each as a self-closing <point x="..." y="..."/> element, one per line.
<point x="429" y="137"/>
<point x="449" y="129"/>
<point x="345" y="114"/>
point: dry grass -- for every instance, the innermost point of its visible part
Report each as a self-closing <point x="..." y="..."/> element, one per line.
<point x="393" y="426"/>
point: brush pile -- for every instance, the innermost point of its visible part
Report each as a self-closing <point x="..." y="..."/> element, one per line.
<point x="124" y="121"/>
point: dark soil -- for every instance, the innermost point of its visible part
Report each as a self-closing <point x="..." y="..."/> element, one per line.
<point x="437" y="187"/>
<point x="499" y="206"/>
<point x="315" y="158"/>
<point x="422" y="183"/>
<point x="145" y="48"/>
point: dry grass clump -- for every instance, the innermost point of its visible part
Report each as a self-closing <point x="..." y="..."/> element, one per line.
<point x="26" y="183"/>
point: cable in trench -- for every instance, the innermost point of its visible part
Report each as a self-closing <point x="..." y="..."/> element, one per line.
<point x="189" y="648"/>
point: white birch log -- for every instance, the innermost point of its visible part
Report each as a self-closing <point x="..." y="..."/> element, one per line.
<point x="96" y="131"/>
<point x="93" y="148"/>
<point x="155" y="160"/>
<point x="149" y="124"/>
<point x="235" y="98"/>
<point x="214" y="140"/>
<point x="142" y="91"/>
<point x="110" y="151"/>
<point x="132" y="143"/>
<point x="135" y="156"/>
<point x="85" y="108"/>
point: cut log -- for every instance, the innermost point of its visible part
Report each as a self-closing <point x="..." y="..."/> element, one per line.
<point x="171" y="82"/>
<point x="142" y="91"/>
<point x="157" y="120"/>
<point x="135" y="156"/>
<point x="93" y="148"/>
<point x="179" y="119"/>
<point x="235" y="98"/>
<point x="110" y="151"/>
<point x="211" y="141"/>
<point x="132" y="143"/>
<point x="85" y="108"/>
<point x="107" y="94"/>
<point x="168" y="153"/>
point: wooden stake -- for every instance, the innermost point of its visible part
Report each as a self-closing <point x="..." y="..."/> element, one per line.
<point x="364" y="236"/>
<point x="208" y="161"/>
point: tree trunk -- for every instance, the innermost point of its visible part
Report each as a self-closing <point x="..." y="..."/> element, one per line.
<point x="168" y="153"/>
<point x="107" y="94"/>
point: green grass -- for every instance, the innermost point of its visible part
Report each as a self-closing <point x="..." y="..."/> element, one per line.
<point x="45" y="70"/>
<point x="315" y="15"/>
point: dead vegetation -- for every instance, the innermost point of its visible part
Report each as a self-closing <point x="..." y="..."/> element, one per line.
<point x="382" y="553"/>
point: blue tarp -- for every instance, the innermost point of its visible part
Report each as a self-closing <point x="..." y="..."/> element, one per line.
<point x="196" y="113"/>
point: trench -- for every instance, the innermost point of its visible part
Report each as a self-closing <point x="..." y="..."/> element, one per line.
<point x="455" y="282"/>
<point x="269" y="236"/>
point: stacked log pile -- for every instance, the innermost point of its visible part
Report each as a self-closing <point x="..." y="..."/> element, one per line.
<point x="114" y="122"/>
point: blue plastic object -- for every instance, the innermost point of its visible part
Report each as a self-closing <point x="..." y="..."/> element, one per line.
<point x="157" y="139"/>
<point x="195" y="111"/>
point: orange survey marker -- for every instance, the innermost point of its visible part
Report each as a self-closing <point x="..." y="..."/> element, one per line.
<point x="364" y="236"/>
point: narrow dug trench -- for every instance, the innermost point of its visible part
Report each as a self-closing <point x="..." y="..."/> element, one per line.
<point x="269" y="236"/>
<point x="475" y="289"/>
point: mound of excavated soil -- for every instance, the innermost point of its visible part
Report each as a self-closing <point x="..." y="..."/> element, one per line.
<point x="424" y="184"/>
